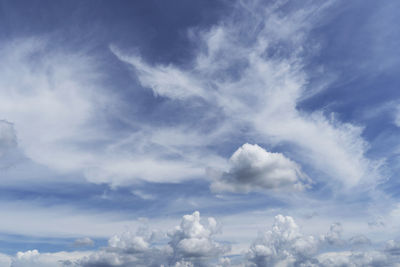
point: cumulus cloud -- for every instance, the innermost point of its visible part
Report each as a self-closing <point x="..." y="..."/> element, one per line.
<point x="285" y="245"/>
<point x="282" y="245"/>
<point x="193" y="244"/>
<point x="252" y="168"/>
<point x="193" y="241"/>
<point x="190" y="244"/>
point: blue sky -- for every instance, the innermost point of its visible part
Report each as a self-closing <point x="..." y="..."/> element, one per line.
<point x="199" y="133"/>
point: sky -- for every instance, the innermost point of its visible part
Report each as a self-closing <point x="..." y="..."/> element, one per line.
<point x="184" y="133"/>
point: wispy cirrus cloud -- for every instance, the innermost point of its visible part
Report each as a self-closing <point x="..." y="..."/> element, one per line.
<point x="254" y="74"/>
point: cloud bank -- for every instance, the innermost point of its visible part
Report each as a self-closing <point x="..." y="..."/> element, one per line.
<point x="194" y="243"/>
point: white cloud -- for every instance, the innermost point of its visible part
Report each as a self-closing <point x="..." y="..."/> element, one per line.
<point x="247" y="70"/>
<point x="190" y="244"/>
<point x="173" y="83"/>
<point x="193" y="240"/>
<point x="48" y="96"/>
<point x="252" y="168"/>
<point x="397" y="116"/>
<point x="8" y="139"/>
<point x="32" y="258"/>
<point x="354" y="258"/>
<point x="60" y="221"/>
<point x="283" y="245"/>
<point x="392" y="248"/>
<point x="235" y="73"/>
<point x="143" y="195"/>
<point x="5" y="260"/>
<point x="129" y="242"/>
<point x="56" y="100"/>
<point x="9" y="153"/>
<point x="83" y="242"/>
<point x="193" y="243"/>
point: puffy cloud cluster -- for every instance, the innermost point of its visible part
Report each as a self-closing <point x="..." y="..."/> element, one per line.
<point x="252" y="168"/>
<point x="192" y="240"/>
<point x="190" y="244"/>
<point x="283" y="245"/>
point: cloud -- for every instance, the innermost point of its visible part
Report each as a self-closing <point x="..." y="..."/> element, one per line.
<point x="189" y="244"/>
<point x="393" y="248"/>
<point x="8" y="139"/>
<point x="252" y="168"/>
<point x="397" y="116"/>
<point x="83" y="242"/>
<point x="9" y="153"/>
<point x="354" y="258"/>
<point x="283" y="244"/>
<point x="254" y="74"/>
<point x="32" y="258"/>
<point x="44" y="99"/>
<point x="5" y="260"/>
<point x="193" y="243"/>
<point x="143" y="195"/>
<point x="245" y="75"/>
<point x="58" y="105"/>
<point x="173" y="83"/>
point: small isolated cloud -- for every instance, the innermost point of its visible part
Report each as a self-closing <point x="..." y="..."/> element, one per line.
<point x="83" y="242"/>
<point x="143" y="195"/>
<point x="252" y="168"/>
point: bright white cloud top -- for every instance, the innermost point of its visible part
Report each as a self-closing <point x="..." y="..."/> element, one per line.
<point x="254" y="169"/>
